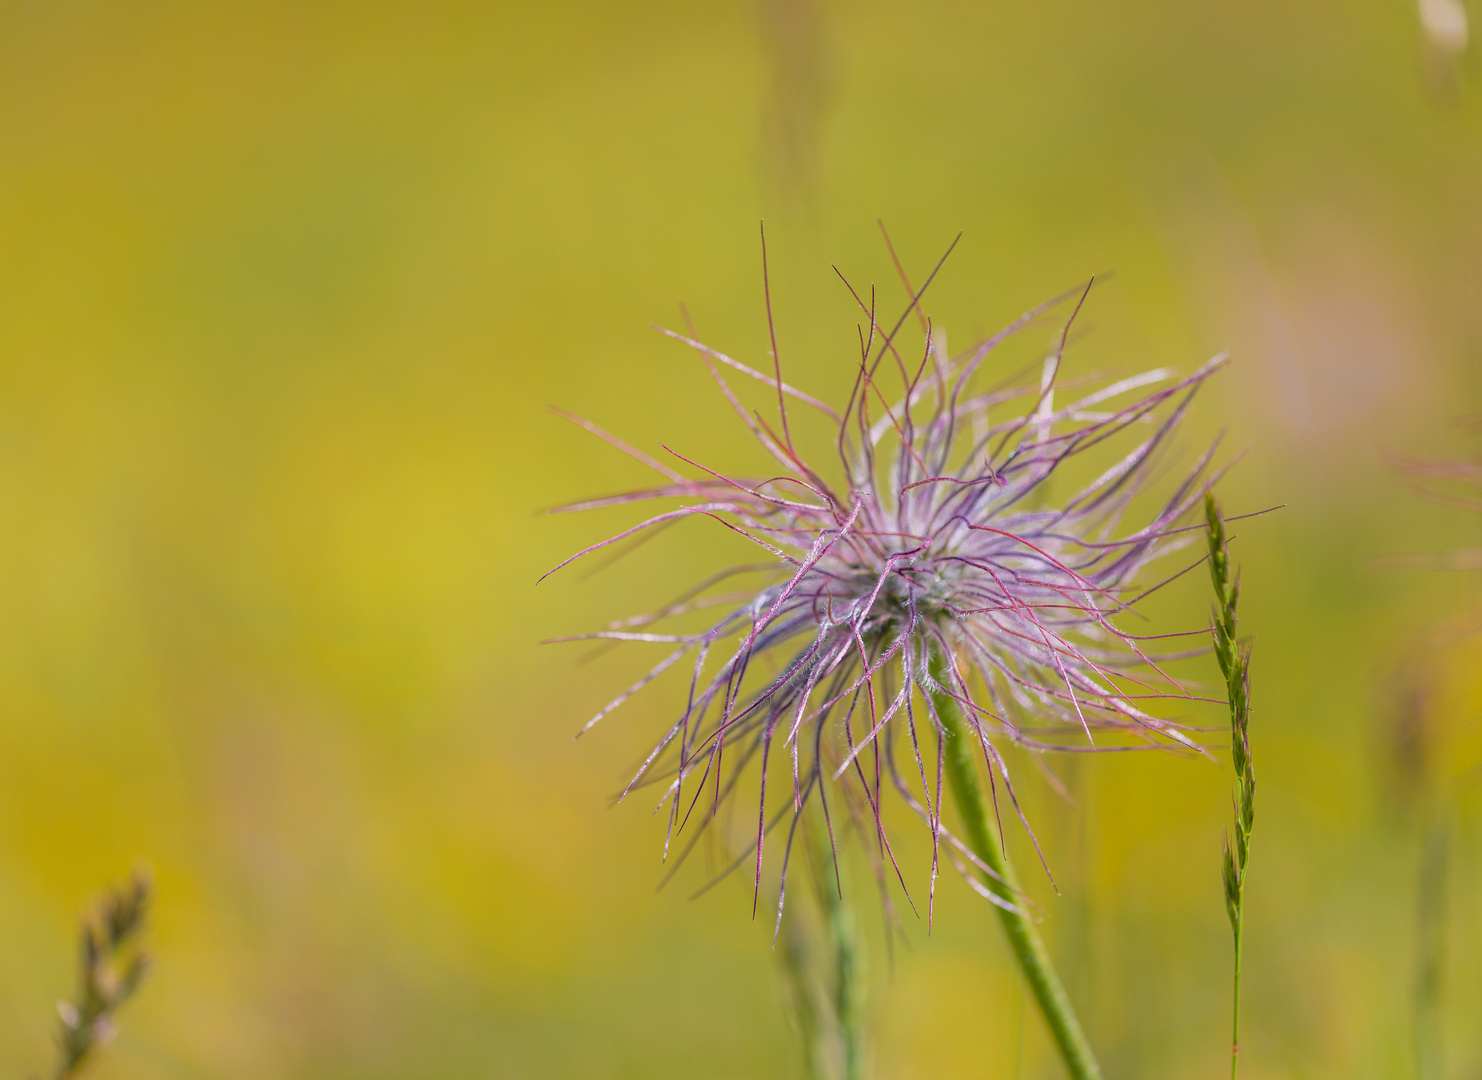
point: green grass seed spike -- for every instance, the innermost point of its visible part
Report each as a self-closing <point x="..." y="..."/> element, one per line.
<point x="1235" y="665"/>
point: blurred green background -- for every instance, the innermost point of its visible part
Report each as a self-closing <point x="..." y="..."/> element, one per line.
<point x="285" y="290"/>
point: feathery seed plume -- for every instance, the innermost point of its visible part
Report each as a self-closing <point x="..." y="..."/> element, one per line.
<point x="929" y="563"/>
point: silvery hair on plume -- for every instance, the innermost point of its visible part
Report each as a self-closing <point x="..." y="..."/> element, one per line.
<point x="932" y="558"/>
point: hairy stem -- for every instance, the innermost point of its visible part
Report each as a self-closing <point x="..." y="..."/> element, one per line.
<point x="980" y="826"/>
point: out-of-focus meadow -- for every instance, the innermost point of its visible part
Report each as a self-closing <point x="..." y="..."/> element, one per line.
<point x="285" y="290"/>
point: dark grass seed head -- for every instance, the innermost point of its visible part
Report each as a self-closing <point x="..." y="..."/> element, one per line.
<point x="110" y="969"/>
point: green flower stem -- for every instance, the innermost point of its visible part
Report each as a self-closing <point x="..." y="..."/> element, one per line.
<point x="982" y="836"/>
<point x="846" y="980"/>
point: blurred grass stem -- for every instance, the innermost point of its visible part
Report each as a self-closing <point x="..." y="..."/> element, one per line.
<point x="846" y="977"/>
<point x="1434" y="864"/>
<point x="802" y="1002"/>
<point x="982" y="836"/>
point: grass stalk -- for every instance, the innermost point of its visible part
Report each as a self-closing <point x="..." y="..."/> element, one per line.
<point x="845" y="983"/>
<point x="802" y="1000"/>
<point x="1435" y="856"/>
<point x="1235" y="665"/>
<point x="824" y="973"/>
<point x="982" y="835"/>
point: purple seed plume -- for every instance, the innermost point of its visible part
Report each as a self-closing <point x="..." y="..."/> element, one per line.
<point x="932" y="557"/>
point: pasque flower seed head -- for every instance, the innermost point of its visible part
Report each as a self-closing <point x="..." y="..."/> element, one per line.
<point x="932" y="556"/>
